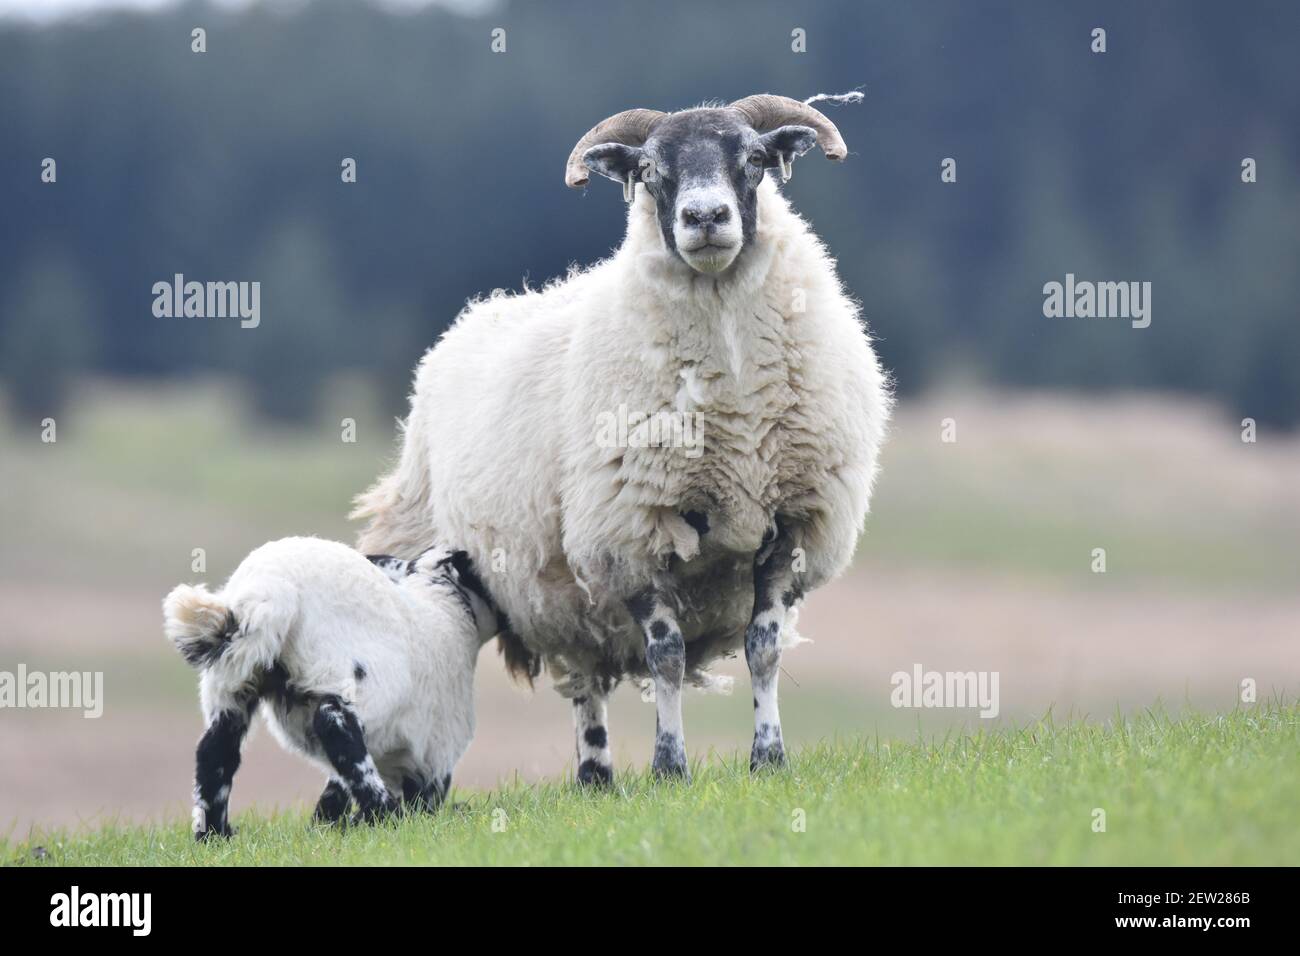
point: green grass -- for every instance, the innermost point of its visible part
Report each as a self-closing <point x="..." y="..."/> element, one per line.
<point x="1201" y="789"/>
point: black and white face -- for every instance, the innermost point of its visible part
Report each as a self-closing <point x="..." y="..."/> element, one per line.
<point x="702" y="168"/>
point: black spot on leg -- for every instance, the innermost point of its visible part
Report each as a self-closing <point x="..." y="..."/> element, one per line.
<point x="596" y="737"/>
<point x="342" y="739"/>
<point x="659" y="630"/>
<point x="666" y="657"/>
<point x="595" y="773"/>
<point x="333" y="803"/>
<point x="358" y="671"/>
<point x="768" y="749"/>
<point x="215" y="761"/>
<point x="340" y="734"/>
<point x="670" y="756"/>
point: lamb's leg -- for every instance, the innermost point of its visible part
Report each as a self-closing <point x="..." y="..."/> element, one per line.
<point x="333" y="803"/>
<point x="665" y="655"/>
<point x="435" y="793"/>
<point x="341" y="737"/>
<point x="775" y="591"/>
<point x="215" y="761"/>
<point x="425" y="797"/>
<point x="590" y="725"/>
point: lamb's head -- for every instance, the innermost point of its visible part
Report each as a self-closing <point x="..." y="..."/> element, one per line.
<point x="453" y="567"/>
<point x="702" y="167"/>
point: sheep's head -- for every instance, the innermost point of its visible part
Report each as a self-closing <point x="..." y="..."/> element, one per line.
<point x="702" y="167"/>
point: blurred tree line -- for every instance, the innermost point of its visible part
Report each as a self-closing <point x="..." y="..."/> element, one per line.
<point x="225" y="165"/>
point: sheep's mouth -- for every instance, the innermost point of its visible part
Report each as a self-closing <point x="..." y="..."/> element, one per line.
<point x="721" y="246"/>
<point x="711" y="258"/>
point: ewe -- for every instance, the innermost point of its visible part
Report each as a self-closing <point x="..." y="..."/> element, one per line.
<point x="365" y="667"/>
<point x="641" y="558"/>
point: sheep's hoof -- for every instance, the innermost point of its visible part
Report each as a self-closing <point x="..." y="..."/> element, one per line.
<point x="672" y="771"/>
<point x="767" y="757"/>
<point x="376" y="812"/>
<point x="593" y="773"/>
<point x="224" y="832"/>
<point x="670" y="759"/>
<point x="330" y="815"/>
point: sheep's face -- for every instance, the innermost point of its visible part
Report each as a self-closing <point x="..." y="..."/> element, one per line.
<point x="702" y="168"/>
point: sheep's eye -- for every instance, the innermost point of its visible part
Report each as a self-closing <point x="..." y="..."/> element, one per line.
<point x="757" y="159"/>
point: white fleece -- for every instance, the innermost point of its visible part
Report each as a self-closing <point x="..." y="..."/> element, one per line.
<point x="499" y="453"/>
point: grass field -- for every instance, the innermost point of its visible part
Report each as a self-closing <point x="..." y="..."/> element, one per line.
<point x="1201" y="789"/>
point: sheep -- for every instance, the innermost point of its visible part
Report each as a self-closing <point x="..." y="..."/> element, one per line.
<point x="365" y="667"/>
<point x="636" y="557"/>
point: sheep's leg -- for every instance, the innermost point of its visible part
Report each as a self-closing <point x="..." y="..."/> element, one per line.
<point x="590" y="723"/>
<point x="665" y="655"/>
<point x="417" y="795"/>
<point x="435" y="793"/>
<point x="215" y="761"/>
<point x="341" y="737"/>
<point x="334" y="802"/>
<point x="775" y="591"/>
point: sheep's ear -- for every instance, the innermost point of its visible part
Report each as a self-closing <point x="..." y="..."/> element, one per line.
<point x="613" y="160"/>
<point x="785" y="143"/>
<point x="460" y="561"/>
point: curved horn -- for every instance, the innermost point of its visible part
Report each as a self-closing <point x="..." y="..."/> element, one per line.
<point x="631" y="128"/>
<point x="766" y="111"/>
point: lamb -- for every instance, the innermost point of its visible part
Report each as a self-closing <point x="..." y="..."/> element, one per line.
<point x="365" y="667"/>
<point x="640" y="558"/>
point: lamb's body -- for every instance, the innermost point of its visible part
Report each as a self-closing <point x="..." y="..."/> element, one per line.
<point x="324" y="640"/>
<point x="794" y="409"/>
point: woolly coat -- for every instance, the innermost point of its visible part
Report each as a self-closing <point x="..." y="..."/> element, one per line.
<point x="501" y="454"/>
<point x="316" y="612"/>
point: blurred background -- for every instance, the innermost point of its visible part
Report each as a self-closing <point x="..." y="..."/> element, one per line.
<point x="176" y="434"/>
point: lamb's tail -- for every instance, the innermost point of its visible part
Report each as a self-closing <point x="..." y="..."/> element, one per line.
<point x="198" y="623"/>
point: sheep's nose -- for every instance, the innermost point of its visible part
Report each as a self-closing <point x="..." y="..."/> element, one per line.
<point x="705" y="216"/>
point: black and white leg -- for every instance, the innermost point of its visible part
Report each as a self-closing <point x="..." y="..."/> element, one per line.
<point x="339" y="731"/>
<point x="334" y="802"/>
<point x="425" y="796"/>
<point x="776" y="590"/>
<point x="665" y="655"/>
<point x="215" y="761"/>
<point x="591" y="728"/>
